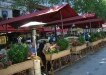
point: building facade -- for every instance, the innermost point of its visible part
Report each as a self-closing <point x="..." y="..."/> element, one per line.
<point x="6" y="10"/>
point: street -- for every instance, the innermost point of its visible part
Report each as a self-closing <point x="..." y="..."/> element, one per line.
<point x="93" y="64"/>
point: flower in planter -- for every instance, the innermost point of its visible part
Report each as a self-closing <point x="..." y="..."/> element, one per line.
<point x="53" y="48"/>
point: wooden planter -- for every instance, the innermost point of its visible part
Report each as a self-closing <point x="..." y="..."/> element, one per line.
<point x="96" y="42"/>
<point x="104" y="39"/>
<point x="17" y="68"/>
<point x="57" y="55"/>
<point x="77" y="49"/>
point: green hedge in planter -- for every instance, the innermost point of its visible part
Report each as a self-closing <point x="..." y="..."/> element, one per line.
<point x="63" y="43"/>
<point x="81" y="40"/>
<point x="18" y="53"/>
<point x="92" y="37"/>
<point x="95" y="36"/>
<point x="103" y="34"/>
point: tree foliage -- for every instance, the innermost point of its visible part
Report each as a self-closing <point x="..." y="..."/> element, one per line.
<point x="91" y="6"/>
<point x="33" y="4"/>
<point x="81" y="6"/>
<point x="29" y="5"/>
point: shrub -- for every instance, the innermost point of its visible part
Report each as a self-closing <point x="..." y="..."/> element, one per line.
<point x="63" y="43"/>
<point x="18" y="53"/>
<point x="81" y="40"/>
<point x="103" y="34"/>
<point x="95" y="36"/>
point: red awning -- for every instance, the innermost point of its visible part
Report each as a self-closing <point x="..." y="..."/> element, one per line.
<point x="48" y="15"/>
<point x="7" y="28"/>
<point x="74" y="19"/>
<point x="52" y="16"/>
<point x="93" y="23"/>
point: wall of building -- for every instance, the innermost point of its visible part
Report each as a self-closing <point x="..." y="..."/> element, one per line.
<point x="6" y="8"/>
<point x="9" y="12"/>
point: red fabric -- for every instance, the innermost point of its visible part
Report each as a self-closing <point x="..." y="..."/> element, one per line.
<point x="9" y="28"/>
<point x="52" y="16"/>
<point x="74" y="19"/>
<point x="46" y="29"/>
<point x="95" y="23"/>
<point x="48" y="15"/>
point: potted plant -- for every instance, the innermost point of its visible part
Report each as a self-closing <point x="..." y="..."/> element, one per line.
<point x="81" y="40"/>
<point x="55" y="54"/>
<point x="95" y="38"/>
<point x="18" y="53"/>
<point x="80" y="45"/>
<point x="63" y="43"/>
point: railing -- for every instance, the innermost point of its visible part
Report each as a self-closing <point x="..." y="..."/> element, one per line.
<point x="33" y="65"/>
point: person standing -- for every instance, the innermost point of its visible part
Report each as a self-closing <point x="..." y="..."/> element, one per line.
<point x="19" y="39"/>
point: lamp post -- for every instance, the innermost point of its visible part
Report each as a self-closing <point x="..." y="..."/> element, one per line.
<point x="33" y="26"/>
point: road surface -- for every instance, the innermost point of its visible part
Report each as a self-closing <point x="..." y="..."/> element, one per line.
<point x="94" y="64"/>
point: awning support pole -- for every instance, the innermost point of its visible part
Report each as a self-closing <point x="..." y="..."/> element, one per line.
<point x="90" y="27"/>
<point x="6" y="33"/>
<point x="55" y="32"/>
<point x="62" y="23"/>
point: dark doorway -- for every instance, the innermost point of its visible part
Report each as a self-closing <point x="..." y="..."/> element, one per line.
<point x="16" y="13"/>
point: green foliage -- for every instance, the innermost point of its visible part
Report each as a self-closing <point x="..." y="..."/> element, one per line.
<point x="91" y="6"/>
<point x="95" y="36"/>
<point x="18" y="53"/>
<point x="81" y="40"/>
<point x="98" y="35"/>
<point x="63" y="43"/>
<point x="92" y="37"/>
<point x="28" y="5"/>
<point x="103" y="34"/>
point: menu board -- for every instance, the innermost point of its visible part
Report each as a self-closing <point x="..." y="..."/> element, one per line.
<point x="2" y="39"/>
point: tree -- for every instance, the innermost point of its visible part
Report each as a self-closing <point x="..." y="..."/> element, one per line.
<point x="91" y="6"/>
<point x="28" y="5"/>
<point x="81" y="6"/>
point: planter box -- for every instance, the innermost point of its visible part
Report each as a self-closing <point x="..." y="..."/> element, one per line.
<point x="96" y="42"/>
<point x="77" y="49"/>
<point x="104" y="39"/>
<point x="17" y="68"/>
<point x="57" y="55"/>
